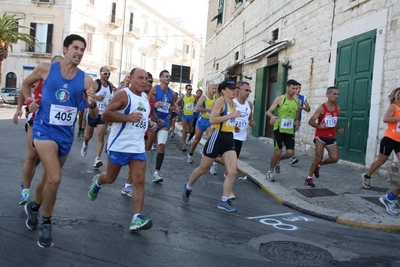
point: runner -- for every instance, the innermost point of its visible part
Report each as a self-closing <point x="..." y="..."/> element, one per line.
<point x="187" y="113"/>
<point x="221" y="142"/>
<point x="53" y="127"/>
<point x="325" y="134"/>
<point x="129" y="111"/>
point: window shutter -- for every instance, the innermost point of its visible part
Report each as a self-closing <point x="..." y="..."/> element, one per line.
<point x="49" y="41"/>
<point x="33" y="34"/>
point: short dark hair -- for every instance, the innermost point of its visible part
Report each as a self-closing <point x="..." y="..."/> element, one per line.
<point x="291" y="82"/>
<point x="101" y="69"/>
<point x="149" y="75"/>
<point x="187" y="85"/>
<point x="329" y="89"/>
<point x="73" y="37"/>
<point x="162" y="72"/>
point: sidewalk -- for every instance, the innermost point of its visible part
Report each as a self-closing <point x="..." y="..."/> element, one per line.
<point x="338" y="194"/>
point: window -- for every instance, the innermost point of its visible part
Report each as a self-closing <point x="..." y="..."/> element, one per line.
<point x="237" y="55"/>
<point x="154" y="65"/>
<point x="217" y="66"/>
<point x="275" y="35"/>
<point x="146" y="26"/>
<point x="143" y="61"/>
<point x="194" y="53"/>
<point x="111" y="53"/>
<point x="238" y="2"/>
<point x="128" y="62"/>
<point x="220" y="13"/>
<point x="186" y="48"/>
<point x="44" y="35"/>
<point x="131" y="15"/>
<point x="89" y="42"/>
<point x="113" y="11"/>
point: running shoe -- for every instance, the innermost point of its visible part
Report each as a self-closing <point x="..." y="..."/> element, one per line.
<point x="157" y="178"/>
<point x="127" y="191"/>
<point x="45" y="239"/>
<point x="153" y="147"/>
<point x="316" y="172"/>
<point x="184" y="148"/>
<point x="270" y="176"/>
<point x="189" y="159"/>
<point x="226" y="206"/>
<point x="140" y="223"/>
<point x="84" y="150"/>
<point x="232" y="195"/>
<point x="97" y="163"/>
<point x="94" y="188"/>
<point x="278" y="167"/>
<point x="83" y="133"/>
<point x="79" y="133"/>
<point x="309" y="183"/>
<point x="390" y="205"/>
<point x="32" y="216"/>
<point x="366" y="182"/>
<point x="185" y="193"/>
<point x="293" y="160"/>
<point x="213" y="168"/>
<point x="25" y="198"/>
<point x="188" y="142"/>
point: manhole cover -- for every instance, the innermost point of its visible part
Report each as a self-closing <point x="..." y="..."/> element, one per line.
<point x="296" y="253"/>
<point x="321" y="192"/>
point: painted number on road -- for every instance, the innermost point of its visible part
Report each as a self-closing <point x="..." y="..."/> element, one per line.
<point x="278" y="224"/>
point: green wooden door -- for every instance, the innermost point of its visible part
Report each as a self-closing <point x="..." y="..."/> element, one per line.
<point x="354" y="70"/>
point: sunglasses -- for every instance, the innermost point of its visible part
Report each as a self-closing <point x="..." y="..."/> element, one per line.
<point x="189" y="89"/>
<point x="150" y="81"/>
<point x="105" y="73"/>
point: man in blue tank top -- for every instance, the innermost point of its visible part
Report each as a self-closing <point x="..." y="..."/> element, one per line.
<point x="53" y="128"/>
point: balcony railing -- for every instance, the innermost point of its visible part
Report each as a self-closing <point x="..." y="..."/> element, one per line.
<point x="50" y="2"/>
<point x="114" y="21"/>
<point x="41" y="48"/>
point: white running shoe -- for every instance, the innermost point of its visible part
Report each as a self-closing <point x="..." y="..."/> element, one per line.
<point x="84" y="150"/>
<point x="213" y="168"/>
<point x="97" y="163"/>
<point x="189" y="159"/>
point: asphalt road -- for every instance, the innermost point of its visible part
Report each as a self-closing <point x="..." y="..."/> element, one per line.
<point x="86" y="233"/>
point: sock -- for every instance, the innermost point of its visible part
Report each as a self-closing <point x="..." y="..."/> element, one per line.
<point x="189" y="187"/>
<point x="159" y="160"/>
<point x="135" y="215"/>
<point x="391" y="196"/>
<point x="190" y="154"/>
<point x="224" y="199"/>
<point x="46" y="220"/>
<point x="127" y="185"/>
<point x="35" y="207"/>
<point x="366" y="176"/>
<point x="309" y="177"/>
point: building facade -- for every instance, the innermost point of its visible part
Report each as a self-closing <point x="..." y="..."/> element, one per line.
<point x="351" y="44"/>
<point x="120" y="34"/>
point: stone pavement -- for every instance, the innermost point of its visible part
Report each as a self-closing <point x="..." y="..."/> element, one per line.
<point x="338" y="194"/>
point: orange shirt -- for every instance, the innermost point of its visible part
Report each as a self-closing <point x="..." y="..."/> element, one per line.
<point x="393" y="130"/>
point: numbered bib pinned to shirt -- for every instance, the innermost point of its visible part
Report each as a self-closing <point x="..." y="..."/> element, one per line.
<point x="287" y="123"/>
<point x="330" y="121"/>
<point x="62" y="115"/>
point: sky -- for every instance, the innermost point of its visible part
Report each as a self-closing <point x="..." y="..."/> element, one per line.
<point x="192" y="12"/>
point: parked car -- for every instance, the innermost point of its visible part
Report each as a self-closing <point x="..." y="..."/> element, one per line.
<point x="6" y="90"/>
<point x="12" y="98"/>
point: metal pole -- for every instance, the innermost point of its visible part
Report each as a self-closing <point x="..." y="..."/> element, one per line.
<point x="180" y="82"/>
<point x="122" y="43"/>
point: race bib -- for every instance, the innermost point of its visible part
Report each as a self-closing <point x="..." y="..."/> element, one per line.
<point x="330" y="121"/>
<point x="62" y="115"/>
<point x="242" y="124"/>
<point x="189" y="107"/>
<point x="140" y="126"/>
<point x="287" y="123"/>
<point x="208" y="113"/>
<point x="164" y="108"/>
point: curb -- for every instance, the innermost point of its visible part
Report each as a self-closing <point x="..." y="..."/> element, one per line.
<point x="285" y="198"/>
